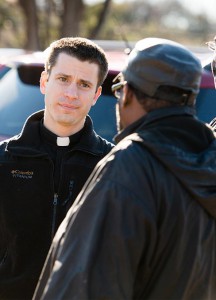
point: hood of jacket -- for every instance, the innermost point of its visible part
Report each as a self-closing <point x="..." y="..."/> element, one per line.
<point x="187" y="149"/>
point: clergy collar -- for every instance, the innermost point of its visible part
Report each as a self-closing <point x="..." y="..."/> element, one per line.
<point x="63" y="141"/>
<point x="55" y="140"/>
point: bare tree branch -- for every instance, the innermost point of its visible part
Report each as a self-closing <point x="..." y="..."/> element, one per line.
<point x="30" y="13"/>
<point x="101" y="19"/>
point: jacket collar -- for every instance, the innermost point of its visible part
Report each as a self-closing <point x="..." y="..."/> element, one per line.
<point x="28" y="142"/>
<point x="52" y="139"/>
<point x="153" y="116"/>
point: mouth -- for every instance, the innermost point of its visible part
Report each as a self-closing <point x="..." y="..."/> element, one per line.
<point x="68" y="107"/>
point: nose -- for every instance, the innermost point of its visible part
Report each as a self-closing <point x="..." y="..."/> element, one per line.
<point x="71" y="91"/>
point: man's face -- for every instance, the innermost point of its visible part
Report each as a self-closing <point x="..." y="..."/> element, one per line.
<point x="120" y="114"/>
<point x="118" y="90"/>
<point x="70" y="90"/>
<point x="125" y="110"/>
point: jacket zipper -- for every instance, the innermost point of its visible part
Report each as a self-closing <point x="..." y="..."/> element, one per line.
<point x="55" y="202"/>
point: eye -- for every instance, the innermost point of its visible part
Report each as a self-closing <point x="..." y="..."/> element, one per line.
<point x="84" y="85"/>
<point x="62" y="79"/>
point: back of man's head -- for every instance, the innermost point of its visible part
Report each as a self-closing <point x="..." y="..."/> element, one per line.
<point x="156" y="65"/>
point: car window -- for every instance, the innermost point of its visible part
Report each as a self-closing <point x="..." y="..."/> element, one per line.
<point x="30" y="74"/>
<point x="3" y="70"/>
<point x="17" y="102"/>
<point x="103" y="113"/>
<point x="103" y="116"/>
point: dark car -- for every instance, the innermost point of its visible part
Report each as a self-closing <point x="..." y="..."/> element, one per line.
<point x="21" y="96"/>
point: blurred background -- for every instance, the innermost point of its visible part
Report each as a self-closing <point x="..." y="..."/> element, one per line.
<point x="33" y="24"/>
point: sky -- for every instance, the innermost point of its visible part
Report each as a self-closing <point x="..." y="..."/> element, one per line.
<point x="197" y="6"/>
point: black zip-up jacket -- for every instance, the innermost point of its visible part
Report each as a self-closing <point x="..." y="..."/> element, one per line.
<point x="150" y="218"/>
<point x="30" y="208"/>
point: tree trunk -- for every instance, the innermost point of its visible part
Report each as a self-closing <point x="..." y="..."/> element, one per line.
<point x="71" y="17"/>
<point x="48" y="11"/>
<point x="30" y="13"/>
<point x="101" y="19"/>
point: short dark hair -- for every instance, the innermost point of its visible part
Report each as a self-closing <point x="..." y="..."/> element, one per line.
<point x="81" y="48"/>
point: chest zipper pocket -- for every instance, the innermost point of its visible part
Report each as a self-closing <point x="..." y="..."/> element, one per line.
<point x="70" y="193"/>
<point x="55" y="202"/>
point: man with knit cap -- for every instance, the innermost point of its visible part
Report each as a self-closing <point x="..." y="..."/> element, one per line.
<point x="144" y="225"/>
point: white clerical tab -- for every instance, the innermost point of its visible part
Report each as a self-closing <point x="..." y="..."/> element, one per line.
<point x="63" y="141"/>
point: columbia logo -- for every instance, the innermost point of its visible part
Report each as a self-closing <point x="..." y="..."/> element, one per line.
<point x="22" y="174"/>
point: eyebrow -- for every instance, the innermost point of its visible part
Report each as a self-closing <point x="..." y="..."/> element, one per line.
<point x="80" y="80"/>
<point x="86" y="82"/>
<point x="62" y="74"/>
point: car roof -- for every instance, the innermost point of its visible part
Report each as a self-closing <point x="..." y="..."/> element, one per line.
<point x="116" y="59"/>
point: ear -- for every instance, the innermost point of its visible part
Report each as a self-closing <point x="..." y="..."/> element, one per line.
<point x="43" y="82"/>
<point x="127" y="97"/>
<point x="97" y="95"/>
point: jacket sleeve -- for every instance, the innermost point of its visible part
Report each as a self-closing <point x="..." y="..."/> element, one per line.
<point x="108" y="233"/>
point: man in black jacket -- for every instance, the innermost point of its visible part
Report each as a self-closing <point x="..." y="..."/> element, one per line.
<point x="43" y="168"/>
<point x="144" y="225"/>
